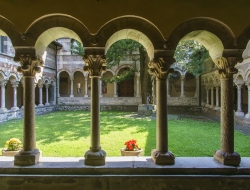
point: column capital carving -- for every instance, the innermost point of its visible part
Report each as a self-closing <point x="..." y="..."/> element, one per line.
<point x="40" y="85"/>
<point x="46" y="85"/>
<point x="71" y="77"/>
<point x="3" y="83"/>
<point x="29" y="61"/>
<point x="15" y="84"/>
<point x="182" y="77"/>
<point x="160" y="67"/>
<point x="95" y="65"/>
<point x="225" y="66"/>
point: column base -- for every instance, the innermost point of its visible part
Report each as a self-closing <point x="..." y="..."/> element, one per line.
<point x="182" y="96"/>
<point x="138" y="96"/>
<point x="168" y="95"/>
<point x="14" y="108"/>
<point x="216" y="108"/>
<point x="207" y="105"/>
<point x="47" y="104"/>
<point x="40" y="105"/>
<point x="230" y="159"/>
<point x="95" y="158"/>
<point x="161" y="158"/>
<point x="71" y="96"/>
<point x="239" y="114"/>
<point x="115" y="96"/>
<point x="100" y="96"/>
<point x="3" y="110"/>
<point x="86" y="96"/>
<point x="27" y="158"/>
<point x="247" y="116"/>
<point x="212" y="106"/>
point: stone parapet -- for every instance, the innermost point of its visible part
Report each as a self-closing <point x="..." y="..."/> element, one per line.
<point x="103" y="101"/>
<point x="194" y="101"/>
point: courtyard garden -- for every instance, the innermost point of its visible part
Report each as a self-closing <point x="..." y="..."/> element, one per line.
<point x="67" y="134"/>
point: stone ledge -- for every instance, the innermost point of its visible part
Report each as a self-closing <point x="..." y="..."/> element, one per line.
<point x="125" y="165"/>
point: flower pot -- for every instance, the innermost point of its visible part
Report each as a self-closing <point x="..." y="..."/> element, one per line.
<point x="131" y="153"/>
<point x="9" y="152"/>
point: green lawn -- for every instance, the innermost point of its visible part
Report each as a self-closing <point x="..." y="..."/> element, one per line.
<point x="67" y="134"/>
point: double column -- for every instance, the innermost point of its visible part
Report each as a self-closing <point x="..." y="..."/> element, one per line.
<point x="160" y="68"/>
<point x="3" y="84"/>
<point x="226" y="70"/>
<point x="14" y="85"/>
<point x="248" y="113"/>
<point x="30" y="65"/>
<point x="95" y="65"/>
<point x="239" y="111"/>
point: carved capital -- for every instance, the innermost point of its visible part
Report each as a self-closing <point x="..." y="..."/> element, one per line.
<point x="225" y="66"/>
<point x="3" y="83"/>
<point x="95" y="65"/>
<point x="30" y="65"/>
<point x="161" y="67"/>
<point x="15" y="84"/>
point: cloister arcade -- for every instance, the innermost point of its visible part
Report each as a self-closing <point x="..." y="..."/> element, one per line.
<point x="218" y="39"/>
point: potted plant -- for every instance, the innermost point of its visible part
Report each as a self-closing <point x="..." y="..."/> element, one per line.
<point x="12" y="147"/>
<point x="131" y="149"/>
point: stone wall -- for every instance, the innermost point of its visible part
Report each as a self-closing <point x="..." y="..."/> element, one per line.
<point x="183" y="101"/>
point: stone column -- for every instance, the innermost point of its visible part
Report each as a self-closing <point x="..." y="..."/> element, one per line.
<point x="71" y="86"/>
<point x="248" y="113"/>
<point x="30" y="65"/>
<point x="14" y="85"/>
<point x="226" y="69"/>
<point x="40" y="86"/>
<point x="168" y="95"/>
<point x="239" y="111"/>
<point x="196" y="94"/>
<point x="115" y="89"/>
<point x="182" y="86"/>
<point x="217" y="106"/>
<point x="100" y="90"/>
<point x="95" y="65"/>
<point x="86" y="85"/>
<point x="161" y="68"/>
<point x="212" y="97"/>
<point x="47" y="94"/>
<point x="207" y="104"/>
<point x="3" y="108"/>
<point x="153" y="91"/>
<point x="58" y="86"/>
<point x="137" y="74"/>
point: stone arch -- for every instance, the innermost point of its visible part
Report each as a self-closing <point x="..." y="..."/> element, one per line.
<point x="77" y="69"/>
<point x="239" y="78"/>
<point x="61" y="70"/>
<point x="183" y="73"/>
<point x="247" y="79"/>
<point x="216" y="27"/>
<point x="110" y="70"/>
<point x="45" y="79"/>
<point x="244" y="37"/>
<point x="52" y="81"/>
<point x="125" y="26"/>
<point x="3" y="76"/>
<point x="50" y="27"/>
<point x="121" y="67"/>
<point x="15" y="74"/>
<point x="7" y="28"/>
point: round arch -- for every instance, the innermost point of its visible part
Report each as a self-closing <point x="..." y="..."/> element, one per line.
<point x="50" y="27"/>
<point x="121" y="67"/>
<point x="15" y="75"/>
<point x="61" y="70"/>
<point x="211" y="33"/>
<point x="77" y="69"/>
<point x="7" y="28"/>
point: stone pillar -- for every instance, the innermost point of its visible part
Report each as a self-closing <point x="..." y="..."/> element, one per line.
<point x="168" y="95"/>
<point x="153" y="91"/>
<point x="226" y="69"/>
<point x="71" y="86"/>
<point x="100" y="90"/>
<point x="207" y="104"/>
<point x="248" y="113"/>
<point x="217" y="106"/>
<point x="14" y="85"/>
<point x="212" y="97"/>
<point x="115" y="89"/>
<point x="86" y="85"/>
<point x="182" y="86"/>
<point x="40" y="86"/>
<point x="3" y="108"/>
<point x="95" y="65"/>
<point x="58" y="86"/>
<point x="239" y="111"/>
<point x="137" y="84"/>
<point x="196" y="94"/>
<point x="161" y="68"/>
<point x="30" y="65"/>
<point x="47" y="94"/>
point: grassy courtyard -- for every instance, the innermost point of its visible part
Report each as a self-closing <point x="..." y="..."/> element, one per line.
<point x="67" y="134"/>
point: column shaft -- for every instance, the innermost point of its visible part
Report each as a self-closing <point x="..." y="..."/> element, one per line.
<point x="71" y="88"/>
<point x="95" y="115"/>
<point x="161" y="119"/>
<point x="138" y="86"/>
<point x="3" y="96"/>
<point x="212" y="97"/>
<point x="182" y="87"/>
<point x="86" y="86"/>
<point x="47" y="95"/>
<point x="115" y="87"/>
<point x="248" y="114"/>
<point x="239" y="99"/>
<point x="29" y="135"/>
<point x="100" y="89"/>
<point x="168" y="95"/>
<point x="40" y="95"/>
<point x="217" y="96"/>
<point x="227" y="116"/>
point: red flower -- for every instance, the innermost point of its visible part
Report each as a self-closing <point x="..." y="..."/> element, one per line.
<point x="131" y="145"/>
